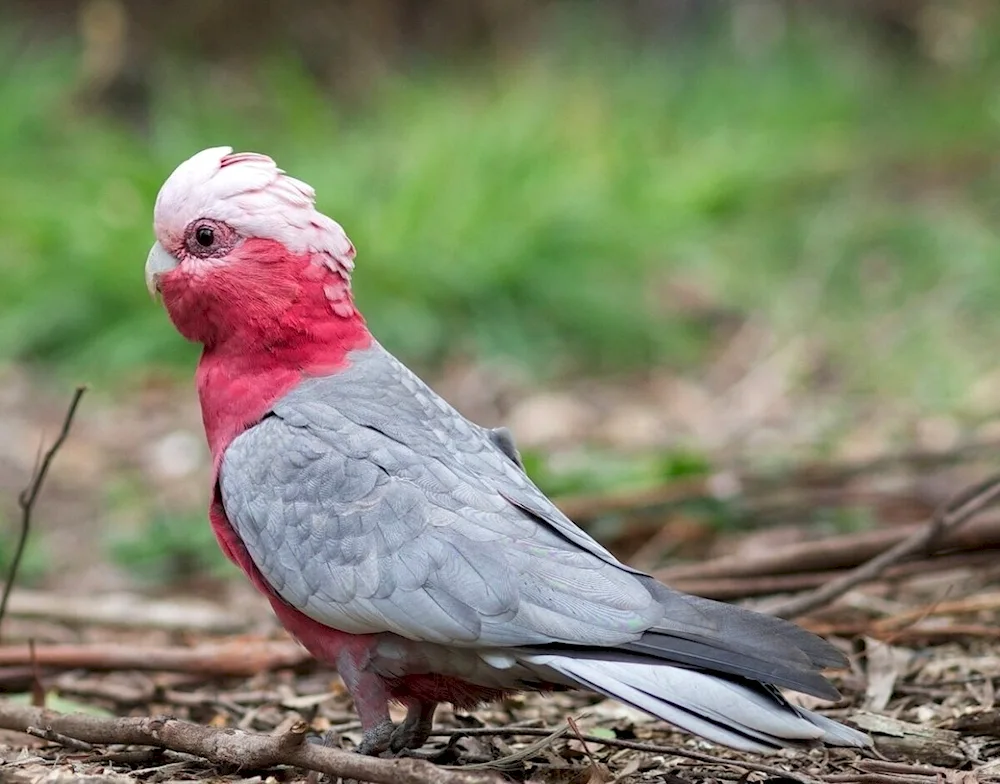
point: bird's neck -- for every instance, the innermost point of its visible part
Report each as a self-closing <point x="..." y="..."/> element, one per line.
<point x="241" y="377"/>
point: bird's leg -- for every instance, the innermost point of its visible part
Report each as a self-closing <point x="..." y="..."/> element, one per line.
<point x="416" y="727"/>
<point x="371" y="701"/>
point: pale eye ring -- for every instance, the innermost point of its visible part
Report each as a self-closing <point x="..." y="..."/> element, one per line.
<point x="204" y="236"/>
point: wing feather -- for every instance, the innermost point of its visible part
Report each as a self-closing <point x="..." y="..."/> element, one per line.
<point x="371" y="505"/>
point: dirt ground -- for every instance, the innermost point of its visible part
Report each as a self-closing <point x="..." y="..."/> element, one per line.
<point x="925" y="691"/>
<point x="921" y="635"/>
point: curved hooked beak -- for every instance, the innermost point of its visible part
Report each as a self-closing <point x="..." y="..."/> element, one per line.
<point x="158" y="263"/>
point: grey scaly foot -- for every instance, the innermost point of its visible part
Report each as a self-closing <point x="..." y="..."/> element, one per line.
<point x="416" y="727"/>
<point x="377" y="739"/>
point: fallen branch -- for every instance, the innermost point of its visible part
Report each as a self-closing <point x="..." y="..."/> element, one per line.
<point x="949" y="517"/>
<point x="233" y="748"/>
<point x="909" y="635"/>
<point x="122" y="610"/>
<point x="836" y="552"/>
<point x="27" y="497"/>
<point x="735" y="588"/>
<point x="978" y="603"/>
<point x="236" y="658"/>
<point x="13" y="679"/>
<point x="810" y="476"/>
<point x="825" y="474"/>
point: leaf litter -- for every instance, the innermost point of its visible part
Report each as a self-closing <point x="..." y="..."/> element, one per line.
<point x="921" y="637"/>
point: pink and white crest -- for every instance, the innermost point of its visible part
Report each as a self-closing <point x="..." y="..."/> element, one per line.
<point x="251" y="194"/>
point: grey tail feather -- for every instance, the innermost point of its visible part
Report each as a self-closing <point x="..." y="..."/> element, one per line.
<point x="690" y="651"/>
<point x="751" y="630"/>
<point x="730" y="711"/>
<point x="725" y="638"/>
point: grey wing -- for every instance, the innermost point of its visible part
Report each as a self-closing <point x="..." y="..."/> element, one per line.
<point x="371" y="505"/>
<point x="378" y="391"/>
<point x="365" y="532"/>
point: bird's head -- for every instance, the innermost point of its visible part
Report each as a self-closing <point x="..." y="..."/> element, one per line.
<point x="243" y="258"/>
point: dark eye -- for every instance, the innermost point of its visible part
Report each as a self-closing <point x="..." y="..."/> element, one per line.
<point x="204" y="236"/>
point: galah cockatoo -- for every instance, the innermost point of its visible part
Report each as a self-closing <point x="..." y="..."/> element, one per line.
<point x="403" y="544"/>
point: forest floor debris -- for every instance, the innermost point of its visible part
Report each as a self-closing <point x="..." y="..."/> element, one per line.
<point x="923" y="677"/>
<point x="175" y="695"/>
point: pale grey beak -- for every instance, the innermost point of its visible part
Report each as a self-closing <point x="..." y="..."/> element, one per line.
<point x="158" y="262"/>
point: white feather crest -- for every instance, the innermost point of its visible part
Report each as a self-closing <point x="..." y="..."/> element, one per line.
<point x="250" y="193"/>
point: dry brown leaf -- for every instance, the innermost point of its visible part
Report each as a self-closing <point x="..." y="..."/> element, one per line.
<point x="596" y="773"/>
<point x="885" y="665"/>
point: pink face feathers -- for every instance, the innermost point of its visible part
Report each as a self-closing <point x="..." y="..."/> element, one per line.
<point x="243" y="256"/>
<point x="250" y="195"/>
<point x="247" y="267"/>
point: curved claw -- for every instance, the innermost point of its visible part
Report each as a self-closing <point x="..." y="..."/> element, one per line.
<point x="415" y="729"/>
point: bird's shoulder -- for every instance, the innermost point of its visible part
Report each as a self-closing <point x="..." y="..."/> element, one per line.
<point x="376" y="391"/>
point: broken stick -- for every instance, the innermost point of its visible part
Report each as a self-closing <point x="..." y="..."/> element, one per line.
<point x="234" y="748"/>
<point x="952" y="515"/>
<point x="844" y="551"/>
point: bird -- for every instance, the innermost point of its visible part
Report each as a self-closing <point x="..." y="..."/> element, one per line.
<point x="403" y="544"/>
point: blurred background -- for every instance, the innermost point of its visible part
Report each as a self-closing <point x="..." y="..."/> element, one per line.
<point x="682" y="247"/>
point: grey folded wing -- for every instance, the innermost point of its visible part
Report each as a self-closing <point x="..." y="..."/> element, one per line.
<point x="372" y="506"/>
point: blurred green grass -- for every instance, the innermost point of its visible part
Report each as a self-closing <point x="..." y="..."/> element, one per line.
<point x="542" y="209"/>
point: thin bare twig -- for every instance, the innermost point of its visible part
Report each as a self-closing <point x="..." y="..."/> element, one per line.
<point x="233" y="748"/>
<point x="27" y="497"/>
<point x="588" y="506"/>
<point x="726" y="589"/>
<point x="904" y="768"/>
<point x="579" y="736"/>
<point x="876" y="778"/>
<point x="957" y="511"/>
<point x="909" y="635"/>
<point x="37" y="688"/>
<point x="886" y="772"/>
<point x="511" y="760"/>
<point x="649" y="748"/>
<point x="54" y="737"/>
<point x="844" y="551"/>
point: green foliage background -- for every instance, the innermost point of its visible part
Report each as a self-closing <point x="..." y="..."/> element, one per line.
<point x="546" y="209"/>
